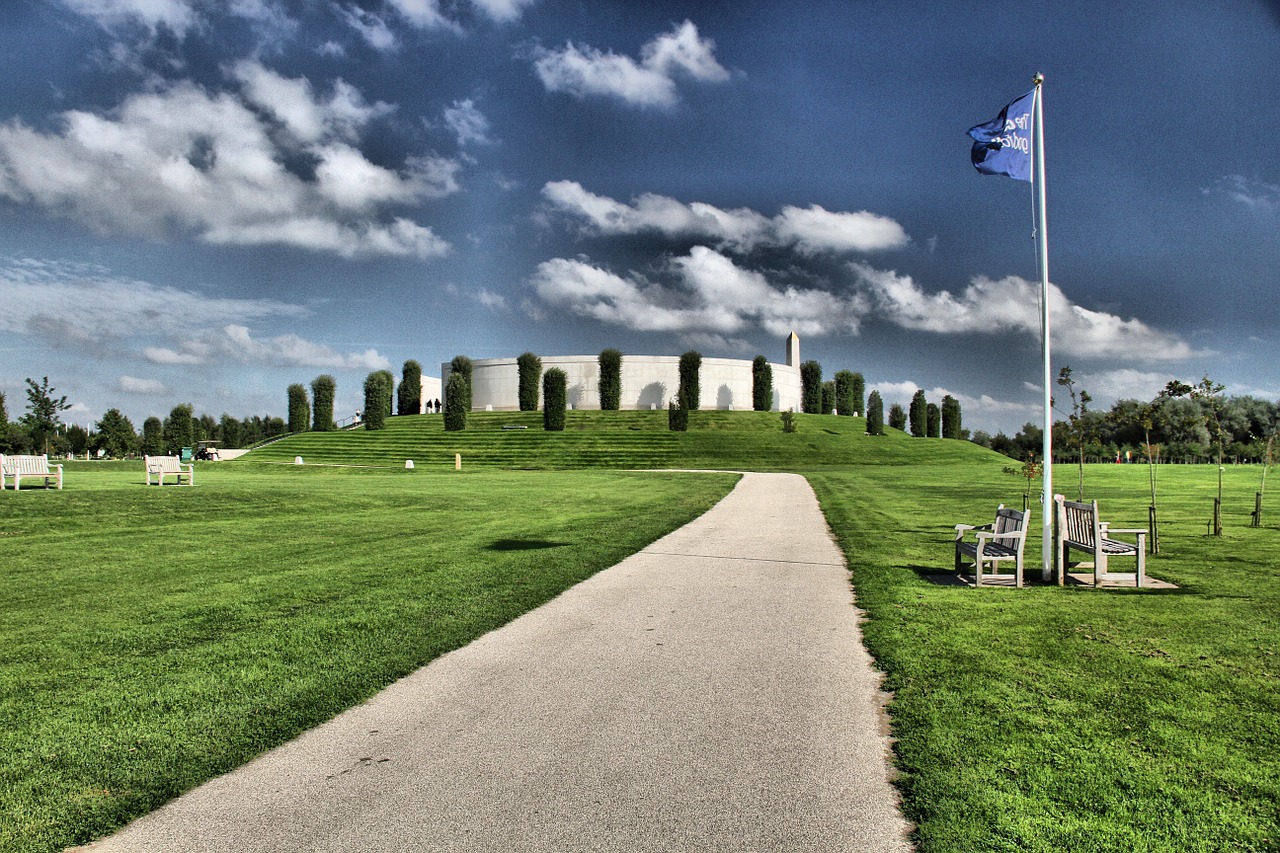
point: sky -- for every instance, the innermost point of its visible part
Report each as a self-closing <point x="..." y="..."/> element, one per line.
<point x="203" y="202"/>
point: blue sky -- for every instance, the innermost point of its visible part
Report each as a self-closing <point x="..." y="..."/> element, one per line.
<point x="206" y="201"/>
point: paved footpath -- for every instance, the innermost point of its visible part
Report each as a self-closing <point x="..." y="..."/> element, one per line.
<point x="708" y="693"/>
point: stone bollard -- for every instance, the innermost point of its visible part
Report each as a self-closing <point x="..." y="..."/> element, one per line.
<point x="408" y="464"/>
<point x="457" y="461"/>
<point x="297" y="460"/>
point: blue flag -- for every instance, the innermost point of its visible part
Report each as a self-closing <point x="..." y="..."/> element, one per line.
<point x="1002" y="146"/>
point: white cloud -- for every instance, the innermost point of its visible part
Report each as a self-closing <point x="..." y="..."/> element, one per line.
<point x="709" y="294"/>
<point x="502" y="11"/>
<point x="372" y="28"/>
<point x="1011" y="304"/>
<point x="1253" y="194"/>
<point x="423" y="14"/>
<point x="234" y="342"/>
<point x="181" y="158"/>
<point x="150" y="387"/>
<point x="178" y="16"/>
<point x="467" y="123"/>
<point x="810" y="230"/>
<point x="583" y="70"/>
<point x="492" y="301"/>
<point x="1107" y="386"/>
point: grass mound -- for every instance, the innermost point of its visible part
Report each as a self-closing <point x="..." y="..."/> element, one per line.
<point x="633" y="439"/>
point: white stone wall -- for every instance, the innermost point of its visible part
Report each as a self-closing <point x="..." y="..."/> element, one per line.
<point x="431" y="390"/>
<point x="648" y="381"/>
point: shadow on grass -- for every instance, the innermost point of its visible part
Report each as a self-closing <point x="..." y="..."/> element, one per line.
<point x="524" y="544"/>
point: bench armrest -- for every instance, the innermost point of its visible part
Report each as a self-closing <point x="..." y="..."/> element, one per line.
<point x="1127" y="530"/>
<point x="1009" y="534"/>
<point x="960" y="528"/>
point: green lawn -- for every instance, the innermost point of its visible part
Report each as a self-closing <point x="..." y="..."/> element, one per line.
<point x="1050" y="719"/>
<point x="150" y="639"/>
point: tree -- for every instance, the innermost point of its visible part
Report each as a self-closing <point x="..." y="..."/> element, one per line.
<point x="919" y="414"/>
<point x="811" y="387"/>
<point x="115" y="434"/>
<point x="858" y="392"/>
<point x="933" y="421"/>
<point x="530" y="368"/>
<point x="179" y="429"/>
<point x="455" y="403"/>
<point x="1208" y="394"/>
<point x="323" y="390"/>
<point x="875" y="414"/>
<point x="229" y="430"/>
<point x="555" y="386"/>
<point x="677" y="417"/>
<point x="152" y="437"/>
<point x="844" y="393"/>
<point x="409" y="395"/>
<point x="761" y="384"/>
<point x="299" y="408"/>
<point x="377" y="400"/>
<point x="1078" y="430"/>
<point x="951" y="417"/>
<point x="462" y="366"/>
<point x="389" y="401"/>
<point x="4" y="426"/>
<point x="44" y="412"/>
<point x="77" y="439"/>
<point x="610" y="380"/>
<point x="689" y="394"/>
<point x="828" y="397"/>
<point x="898" y="417"/>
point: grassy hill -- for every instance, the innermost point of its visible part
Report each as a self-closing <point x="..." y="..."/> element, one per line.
<point x="594" y="439"/>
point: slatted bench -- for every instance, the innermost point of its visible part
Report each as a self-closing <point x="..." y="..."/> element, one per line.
<point x="1000" y="541"/>
<point x="16" y="468"/>
<point x="1076" y="526"/>
<point x="169" y="466"/>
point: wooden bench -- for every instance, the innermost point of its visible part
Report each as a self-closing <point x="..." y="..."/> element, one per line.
<point x="15" y="468"/>
<point x="1000" y="541"/>
<point x="1076" y="525"/>
<point x="172" y="466"/>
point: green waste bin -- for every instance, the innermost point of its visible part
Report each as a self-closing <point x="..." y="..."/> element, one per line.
<point x="186" y="454"/>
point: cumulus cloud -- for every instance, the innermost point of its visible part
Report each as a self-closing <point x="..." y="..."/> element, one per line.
<point x="467" y="123"/>
<point x="583" y="70"/>
<point x="372" y="28"/>
<point x="179" y="16"/>
<point x="502" y="11"/>
<point x="811" y="230"/>
<point x="235" y="342"/>
<point x="492" y="301"/>
<point x="1011" y="304"/>
<point x="707" y="293"/>
<point x="149" y="387"/>
<point x="182" y="158"/>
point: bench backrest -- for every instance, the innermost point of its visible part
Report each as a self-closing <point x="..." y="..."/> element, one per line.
<point x="163" y="464"/>
<point x="26" y="465"/>
<point x="1078" y="522"/>
<point x="1008" y="521"/>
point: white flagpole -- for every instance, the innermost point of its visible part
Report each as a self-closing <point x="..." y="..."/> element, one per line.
<point x="1042" y="246"/>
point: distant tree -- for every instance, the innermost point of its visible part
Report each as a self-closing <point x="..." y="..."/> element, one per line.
<point x="152" y="437"/>
<point x="919" y="414"/>
<point x="844" y="393"/>
<point x="1208" y="394"/>
<point x="377" y="400"/>
<point x="761" y="384"/>
<point x="77" y="438"/>
<point x="323" y="390"/>
<point x="858" y="393"/>
<point x="811" y="387"/>
<point x="828" y="397"/>
<point x="463" y="366"/>
<point x="115" y="434"/>
<point x="689" y="395"/>
<point x="555" y="385"/>
<point x="389" y="402"/>
<point x="530" y="368"/>
<point x="455" y="403"/>
<point x="44" y="412"/>
<point x="206" y="428"/>
<point x="950" y="417"/>
<point x="875" y="414"/>
<point x="299" y="408"/>
<point x="229" y="429"/>
<point x="677" y="417"/>
<point x="409" y="394"/>
<point x="897" y="417"/>
<point x="1078" y="425"/>
<point x="610" y="380"/>
<point x="179" y="429"/>
<point x="933" y="421"/>
<point x="4" y="426"/>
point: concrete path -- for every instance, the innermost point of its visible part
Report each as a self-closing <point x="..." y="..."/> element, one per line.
<point x="708" y="693"/>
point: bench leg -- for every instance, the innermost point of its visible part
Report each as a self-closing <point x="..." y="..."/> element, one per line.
<point x="1142" y="559"/>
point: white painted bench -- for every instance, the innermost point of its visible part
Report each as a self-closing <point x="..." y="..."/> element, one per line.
<point x="169" y="466"/>
<point x="1000" y="541"/>
<point x="15" y="468"/>
<point x="1076" y="525"/>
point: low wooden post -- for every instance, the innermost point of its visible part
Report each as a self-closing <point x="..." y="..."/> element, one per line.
<point x="1257" y="509"/>
<point x="457" y="461"/>
<point x="1153" y="541"/>
<point x="1217" y="516"/>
